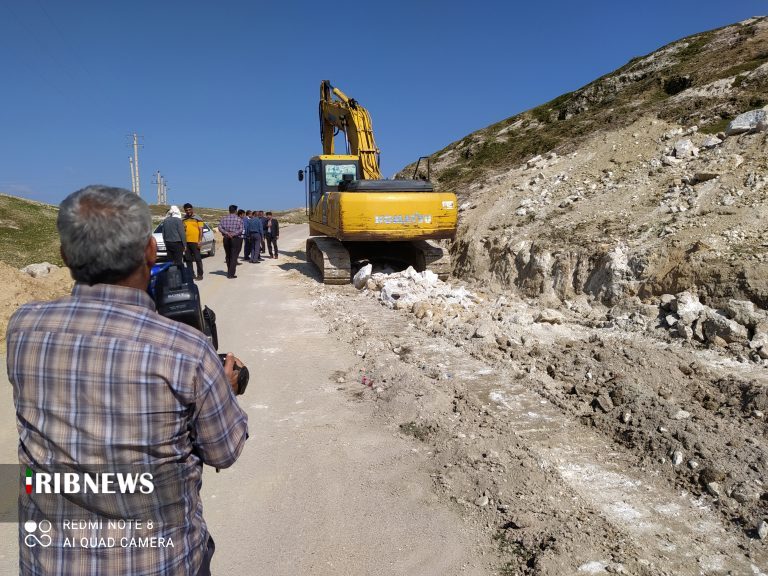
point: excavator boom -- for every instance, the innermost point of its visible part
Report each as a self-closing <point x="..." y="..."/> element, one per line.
<point x="346" y="115"/>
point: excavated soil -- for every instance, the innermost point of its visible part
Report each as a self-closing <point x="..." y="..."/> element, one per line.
<point x="579" y="444"/>
<point x="17" y="288"/>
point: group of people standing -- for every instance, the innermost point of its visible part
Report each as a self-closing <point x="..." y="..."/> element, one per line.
<point x="182" y="237"/>
<point x="253" y="230"/>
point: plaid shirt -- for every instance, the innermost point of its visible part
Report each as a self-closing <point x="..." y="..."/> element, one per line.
<point x="100" y="379"/>
<point x="231" y="224"/>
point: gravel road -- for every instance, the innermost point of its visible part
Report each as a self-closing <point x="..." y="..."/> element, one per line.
<point x="320" y="487"/>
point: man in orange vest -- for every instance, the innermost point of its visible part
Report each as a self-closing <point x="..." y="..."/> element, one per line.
<point x="194" y="231"/>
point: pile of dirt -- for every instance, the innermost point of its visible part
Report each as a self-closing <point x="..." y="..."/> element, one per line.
<point x="17" y="288"/>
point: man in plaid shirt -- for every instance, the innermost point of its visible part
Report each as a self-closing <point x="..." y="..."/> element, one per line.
<point x="231" y="228"/>
<point x="100" y="381"/>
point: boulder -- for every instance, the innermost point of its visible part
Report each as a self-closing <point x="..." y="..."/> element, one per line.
<point x="671" y="320"/>
<point x="704" y="176"/>
<point x="533" y="162"/>
<point x="760" y="337"/>
<point x="549" y="316"/>
<point x="711" y="142"/>
<point x="361" y="278"/>
<point x="685" y="149"/>
<point x="687" y="307"/>
<point x="745" y="313"/>
<point x="666" y="301"/>
<point x="752" y="121"/>
<point x="718" y="326"/>
<point x="39" y="270"/>
<point x="684" y="331"/>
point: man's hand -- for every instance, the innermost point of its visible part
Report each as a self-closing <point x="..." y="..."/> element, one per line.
<point x="230" y="372"/>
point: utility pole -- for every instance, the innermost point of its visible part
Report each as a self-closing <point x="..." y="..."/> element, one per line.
<point x="162" y="189"/>
<point x="159" y="182"/>
<point x="133" y="175"/>
<point x="136" y="162"/>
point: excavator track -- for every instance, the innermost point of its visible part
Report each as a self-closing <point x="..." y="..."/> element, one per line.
<point x="435" y="258"/>
<point x="331" y="259"/>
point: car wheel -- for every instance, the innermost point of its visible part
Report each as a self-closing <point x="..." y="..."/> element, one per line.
<point x="213" y="249"/>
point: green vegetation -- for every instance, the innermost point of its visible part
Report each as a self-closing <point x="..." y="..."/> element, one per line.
<point x="745" y="66"/>
<point x="28" y="232"/>
<point x="28" y="229"/>
<point x="715" y="127"/>
<point x="554" y="108"/>
<point x="695" y="46"/>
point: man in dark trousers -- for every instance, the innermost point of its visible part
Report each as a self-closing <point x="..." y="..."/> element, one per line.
<point x="263" y="222"/>
<point x="254" y="232"/>
<point x="246" y="238"/>
<point x="174" y="236"/>
<point x="231" y="228"/>
<point x="193" y="227"/>
<point x="271" y="234"/>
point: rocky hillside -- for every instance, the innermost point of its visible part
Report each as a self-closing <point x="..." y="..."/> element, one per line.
<point x="633" y="185"/>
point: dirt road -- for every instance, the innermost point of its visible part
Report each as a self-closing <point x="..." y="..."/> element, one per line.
<point x="320" y="488"/>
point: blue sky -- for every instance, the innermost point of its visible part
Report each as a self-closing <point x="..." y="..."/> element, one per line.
<point x="225" y="94"/>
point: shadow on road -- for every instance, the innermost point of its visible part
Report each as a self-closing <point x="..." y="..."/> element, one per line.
<point x="306" y="268"/>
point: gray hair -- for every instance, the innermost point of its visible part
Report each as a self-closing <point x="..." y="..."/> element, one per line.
<point x="104" y="232"/>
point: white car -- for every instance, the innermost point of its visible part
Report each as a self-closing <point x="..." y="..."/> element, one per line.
<point x="207" y="246"/>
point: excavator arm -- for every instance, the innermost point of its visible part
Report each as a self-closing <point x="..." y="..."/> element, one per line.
<point x="338" y="112"/>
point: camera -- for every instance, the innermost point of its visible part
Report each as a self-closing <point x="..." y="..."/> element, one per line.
<point x="177" y="297"/>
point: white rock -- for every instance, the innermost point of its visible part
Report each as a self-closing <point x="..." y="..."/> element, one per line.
<point x="39" y="270"/>
<point x="534" y="161"/>
<point x="666" y="301"/>
<point x="672" y="133"/>
<point x="361" y="278"/>
<point x="762" y="530"/>
<point x="685" y="149"/>
<point x="687" y="306"/>
<point x="681" y="415"/>
<point x="671" y="320"/>
<point x="402" y="290"/>
<point x="752" y="121"/>
<point x="549" y="316"/>
<point x="483" y="331"/>
<point x="677" y="458"/>
<point x="716" y="325"/>
<point x="711" y="142"/>
<point x="482" y="501"/>
<point x="670" y="160"/>
<point x="684" y="331"/>
<point x="744" y="312"/>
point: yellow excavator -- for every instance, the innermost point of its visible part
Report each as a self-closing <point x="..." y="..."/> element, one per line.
<point x="355" y="216"/>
